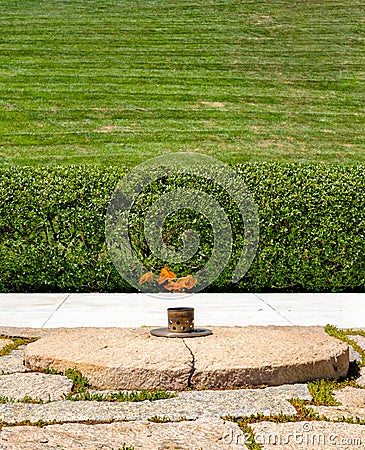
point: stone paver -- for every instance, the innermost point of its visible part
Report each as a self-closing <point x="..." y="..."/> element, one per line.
<point x="361" y="380"/>
<point x="34" y="385"/>
<point x="339" y="412"/>
<point x="309" y="436"/>
<point x="13" y="363"/>
<point x="286" y="391"/>
<point x="27" y="332"/>
<point x="351" y="397"/>
<point x="352" y="405"/>
<point x="116" y="358"/>
<point x="354" y="355"/>
<point x="189" y="405"/>
<point x="5" y="342"/>
<point x="360" y="340"/>
<point x="202" y="434"/>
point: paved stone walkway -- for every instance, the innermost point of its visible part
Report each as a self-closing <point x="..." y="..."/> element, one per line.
<point x="193" y="420"/>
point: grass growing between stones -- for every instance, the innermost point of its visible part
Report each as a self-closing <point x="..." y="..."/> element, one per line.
<point x="322" y="392"/>
<point x="51" y="371"/>
<point x="343" y="335"/>
<point x="17" y="342"/>
<point x="250" y="442"/>
<point x="133" y="396"/>
<point x="303" y="414"/>
<point x="81" y="384"/>
<point x="42" y="423"/>
<point x="79" y="391"/>
<point x="25" y="399"/>
<point x="39" y="423"/>
<point x="159" y="419"/>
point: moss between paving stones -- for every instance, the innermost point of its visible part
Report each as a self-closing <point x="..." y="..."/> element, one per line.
<point x="39" y="423"/>
<point x="17" y="342"/>
<point x="80" y="391"/>
<point x="25" y="399"/>
<point x="303" y="414"/>
<point x="132" y="396"/>
<point x="322" y="390"/>
<point x="343" y="335"/>
<point x="158" y="419"/>
<point x="42" y="423"/>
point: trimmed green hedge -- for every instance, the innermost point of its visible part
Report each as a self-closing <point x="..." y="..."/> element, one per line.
<point x="312" y="229"/>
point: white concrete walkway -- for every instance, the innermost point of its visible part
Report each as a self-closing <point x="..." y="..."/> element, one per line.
<point x="134" y="310"/>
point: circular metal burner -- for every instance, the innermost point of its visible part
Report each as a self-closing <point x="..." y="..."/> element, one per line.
<point x="165" y="332"/>
<point x="180" y="320"/>
<point x="181" y="325"/>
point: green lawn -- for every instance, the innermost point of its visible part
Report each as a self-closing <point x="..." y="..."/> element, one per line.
<point x="119" y="81"/>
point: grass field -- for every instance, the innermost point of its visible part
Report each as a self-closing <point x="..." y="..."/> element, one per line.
<point x="119" y="81"/>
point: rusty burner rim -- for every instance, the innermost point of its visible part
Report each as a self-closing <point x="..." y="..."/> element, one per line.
<point x="180" y="324"/>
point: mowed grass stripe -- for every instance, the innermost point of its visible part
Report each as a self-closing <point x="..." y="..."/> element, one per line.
<point x="119" y="81"/>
